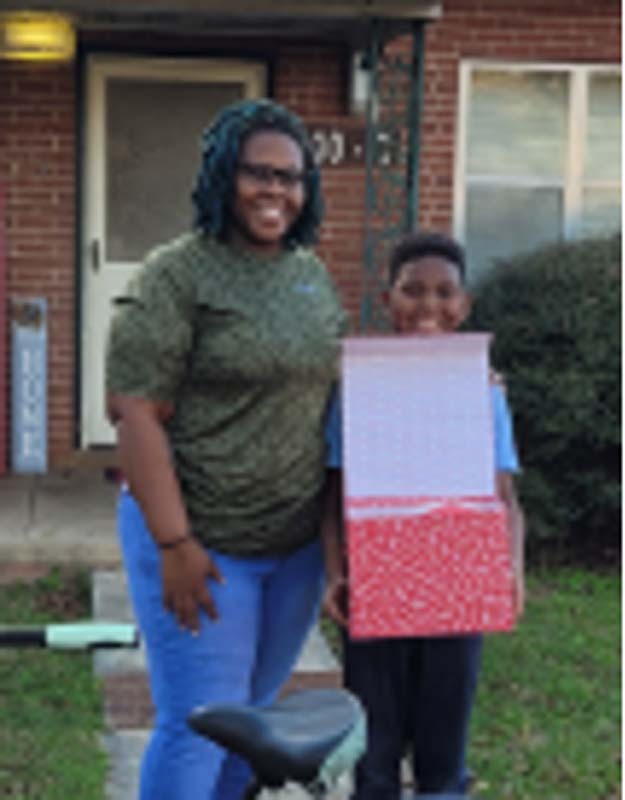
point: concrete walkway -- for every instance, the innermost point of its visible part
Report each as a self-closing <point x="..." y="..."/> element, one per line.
<point x="68" y="517"/>
<point x="127" y="706"/>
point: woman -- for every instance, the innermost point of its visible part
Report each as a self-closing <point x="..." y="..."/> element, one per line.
<point x="219" y="366"/>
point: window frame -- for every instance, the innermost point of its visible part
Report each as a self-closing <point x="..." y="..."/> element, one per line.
<point x="573" y="182"/>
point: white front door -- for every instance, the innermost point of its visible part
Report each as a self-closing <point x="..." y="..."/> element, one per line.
<point x="144" y="118"/>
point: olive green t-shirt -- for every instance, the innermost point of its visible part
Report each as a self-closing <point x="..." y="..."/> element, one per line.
<point x="246" y="349"/>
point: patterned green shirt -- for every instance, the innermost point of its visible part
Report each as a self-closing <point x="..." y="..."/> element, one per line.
<point x="246" y="348"/>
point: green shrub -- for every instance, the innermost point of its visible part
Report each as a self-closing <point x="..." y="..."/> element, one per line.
<point x="555" y="315"/>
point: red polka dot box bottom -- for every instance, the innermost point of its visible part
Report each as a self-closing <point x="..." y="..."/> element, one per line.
<point x="428" y="566"/>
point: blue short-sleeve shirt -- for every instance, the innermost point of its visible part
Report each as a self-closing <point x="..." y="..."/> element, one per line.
<point x="506" y="457"/>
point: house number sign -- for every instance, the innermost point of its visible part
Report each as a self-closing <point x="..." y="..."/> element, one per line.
<point x="336" y="146"/>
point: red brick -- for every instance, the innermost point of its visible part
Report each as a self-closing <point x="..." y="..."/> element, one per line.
<point x="128" y="705"/>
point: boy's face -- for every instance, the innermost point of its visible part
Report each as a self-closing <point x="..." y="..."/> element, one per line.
<point x="428" y="297"/>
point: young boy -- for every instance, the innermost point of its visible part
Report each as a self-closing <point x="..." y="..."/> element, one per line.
<point x="418" y="691"/>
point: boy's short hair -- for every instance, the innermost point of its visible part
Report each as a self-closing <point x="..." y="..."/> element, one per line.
<point x="422" y="244"/>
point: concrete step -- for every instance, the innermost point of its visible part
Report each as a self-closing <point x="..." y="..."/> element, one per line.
<point x="125" y="750"/>
<point x="110" y="602"/>
<point x="63" y="517"/>
<point x="128" y="706"/>
<point x="127" y="701"/>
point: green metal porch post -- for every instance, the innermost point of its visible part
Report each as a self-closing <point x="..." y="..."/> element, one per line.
<point x="367" y="300"/>
<point x="415" y="107"/>
<point x="394" y="112"/>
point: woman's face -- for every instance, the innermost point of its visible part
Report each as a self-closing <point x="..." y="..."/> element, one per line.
<point x="269" y="192"/>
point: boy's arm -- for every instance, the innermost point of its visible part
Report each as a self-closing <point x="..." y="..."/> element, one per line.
<point x="516" y="531"/>
<point x="335" y="596"/>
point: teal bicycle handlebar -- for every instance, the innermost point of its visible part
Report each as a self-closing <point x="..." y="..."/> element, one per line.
<point x="81" y="635"/>
<point x="72" y="636"/>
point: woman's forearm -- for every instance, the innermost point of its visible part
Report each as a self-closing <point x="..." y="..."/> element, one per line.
<point x="146" y="463"/>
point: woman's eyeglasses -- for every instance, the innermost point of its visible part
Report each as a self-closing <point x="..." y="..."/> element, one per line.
<point x="265" y="175"/>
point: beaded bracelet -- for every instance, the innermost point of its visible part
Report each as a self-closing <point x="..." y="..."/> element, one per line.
<point x="173" y="543"/>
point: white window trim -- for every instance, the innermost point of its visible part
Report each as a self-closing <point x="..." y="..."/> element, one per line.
<point x="573" y="182"/>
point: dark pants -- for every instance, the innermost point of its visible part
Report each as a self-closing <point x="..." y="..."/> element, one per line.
<point x="418" y="694"/>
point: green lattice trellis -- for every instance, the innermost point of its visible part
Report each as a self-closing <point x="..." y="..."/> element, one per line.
<point x="392" y="153"/>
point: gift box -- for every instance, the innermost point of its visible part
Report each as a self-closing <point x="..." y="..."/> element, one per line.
<point x="427" y="542"/>
<point x="428" y="566"/>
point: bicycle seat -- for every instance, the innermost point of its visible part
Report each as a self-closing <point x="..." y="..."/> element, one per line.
<point x="307" y="736"/>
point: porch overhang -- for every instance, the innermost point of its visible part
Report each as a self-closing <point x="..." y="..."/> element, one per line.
<point x="329" y="20"/>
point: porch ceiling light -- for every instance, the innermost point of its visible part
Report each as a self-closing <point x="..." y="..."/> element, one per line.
<point x="35" y="36"/>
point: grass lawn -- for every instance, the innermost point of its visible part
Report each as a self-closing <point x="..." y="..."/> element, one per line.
<point x="547" y="722"/>
<point x="51" y="705"/>
<point x="548" y="718"/>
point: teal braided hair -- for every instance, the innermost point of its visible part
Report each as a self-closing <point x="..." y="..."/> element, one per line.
<point x="222" y="142"/>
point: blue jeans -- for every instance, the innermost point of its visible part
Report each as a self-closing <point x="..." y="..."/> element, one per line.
<point x="418" y="694"/>
<point x="266" y="608"/>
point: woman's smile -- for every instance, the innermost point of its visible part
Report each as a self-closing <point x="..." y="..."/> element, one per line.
<point x="269" y="192"/>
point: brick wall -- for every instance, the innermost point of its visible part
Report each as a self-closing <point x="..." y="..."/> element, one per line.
<point x="37" y="120"/>
<point x="38" y="108"/>
<point x="3" y="339"/>
<point x="312" y="82"/>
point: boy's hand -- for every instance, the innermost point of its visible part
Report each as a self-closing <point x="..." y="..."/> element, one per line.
<point x="496" y="378"/>
<point x="335" y="600"/>
<point x="519" y="594"/>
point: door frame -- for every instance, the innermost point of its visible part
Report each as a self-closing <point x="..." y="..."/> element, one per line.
<point x="98" y="69"/>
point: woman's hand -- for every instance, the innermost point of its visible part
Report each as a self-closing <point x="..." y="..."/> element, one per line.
<point x="184" y="570"/>
<point x="335" y="600"/>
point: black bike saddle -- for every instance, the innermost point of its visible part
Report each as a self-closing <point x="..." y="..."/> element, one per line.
<point x="292" y="739"/>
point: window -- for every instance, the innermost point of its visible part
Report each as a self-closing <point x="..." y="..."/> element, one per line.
<point x="539" y="157"/>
